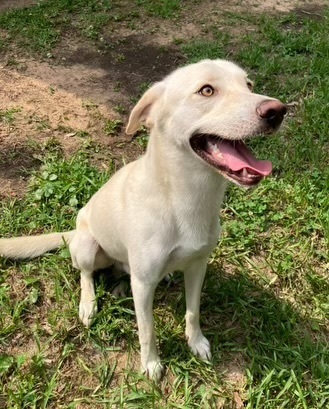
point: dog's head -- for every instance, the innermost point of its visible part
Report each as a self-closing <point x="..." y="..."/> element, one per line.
<point x="209" y="108"/>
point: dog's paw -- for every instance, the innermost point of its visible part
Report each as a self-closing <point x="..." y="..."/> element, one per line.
<point x="120" y="290"/>
<point x="200" y="347"/>
<point x="154" y="370"/>
<point x="87" y="312"/>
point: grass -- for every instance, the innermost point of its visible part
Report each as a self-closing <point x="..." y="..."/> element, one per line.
<point x="7" y="117"/>
<point x="112" y="126"/>
<point x="40" y="28"/>
<point x="162" y="8"/>
<point x="265" y="302"/>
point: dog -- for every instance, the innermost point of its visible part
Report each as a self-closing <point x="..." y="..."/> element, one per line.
<point x="159" y="214"/>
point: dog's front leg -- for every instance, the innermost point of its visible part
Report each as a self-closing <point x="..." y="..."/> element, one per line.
<point x="143" y="293"/>
<point x="194" y="276"/>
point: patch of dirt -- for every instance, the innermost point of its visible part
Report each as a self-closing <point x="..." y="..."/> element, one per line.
<point x="16" y="4"/>
<point x="313" y="11"/>
<point x="20" y="345"/>
<point x="13" y="179"/>
<point x="84" y="368"/>
<point x="42" y="113"/>
<point x="235" y="375"/>
<point x="271" y="5"/>
<point x="112" y="78"/>
<point x="58" y="107"/>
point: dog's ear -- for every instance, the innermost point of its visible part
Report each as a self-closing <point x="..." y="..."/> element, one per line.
<point x="140" y="115"/>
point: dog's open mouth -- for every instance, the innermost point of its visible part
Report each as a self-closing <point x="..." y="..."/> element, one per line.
<point x="231" y="158"/>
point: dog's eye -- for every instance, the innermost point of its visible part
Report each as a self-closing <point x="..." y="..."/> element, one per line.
<point x="206" y="91"/>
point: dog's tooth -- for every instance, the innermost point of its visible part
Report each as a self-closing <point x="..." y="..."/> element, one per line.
<point x="245" y="173"/>
<point x="213" y="147"/>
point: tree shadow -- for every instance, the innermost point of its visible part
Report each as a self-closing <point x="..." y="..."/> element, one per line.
<point x="131" y="62"/>
<point x="252" y="326"/>
<point x="243" y="318"/>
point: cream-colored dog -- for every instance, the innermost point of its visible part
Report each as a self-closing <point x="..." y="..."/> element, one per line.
<point x="159" y="213"/>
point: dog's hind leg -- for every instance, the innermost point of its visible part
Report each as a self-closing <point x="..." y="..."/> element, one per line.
<point x="88" y="257"/>
<point x="120" y="269"/>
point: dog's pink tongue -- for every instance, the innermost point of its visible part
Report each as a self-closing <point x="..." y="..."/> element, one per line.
<point x="237" y="157"/>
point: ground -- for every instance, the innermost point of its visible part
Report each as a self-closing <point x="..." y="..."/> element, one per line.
<point x="78" y="84"/>
<point x="73" y="92"/>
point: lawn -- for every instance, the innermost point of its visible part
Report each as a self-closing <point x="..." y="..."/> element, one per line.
<point x="265" y="302"/>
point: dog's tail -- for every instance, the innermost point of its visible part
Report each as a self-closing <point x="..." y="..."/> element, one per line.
<point x="33" y="246"/>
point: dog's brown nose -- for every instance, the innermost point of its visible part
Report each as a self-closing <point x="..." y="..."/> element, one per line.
<point x="272" y="111"/>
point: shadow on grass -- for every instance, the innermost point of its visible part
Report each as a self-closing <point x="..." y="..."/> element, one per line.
<point x="277" y="343"/>
<point x="23" y="158"/>
<point x="131" y="62"/>
<point x="277" y="347"/>
<point x="238" y="315"/>
<point x="282" y="355"/>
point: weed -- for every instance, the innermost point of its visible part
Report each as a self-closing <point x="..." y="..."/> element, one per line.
<point x="112" y="126"/>
<point x="118" y="86"/>
<point x="120" y="109"/>
<point x="120" y="57"/>
<point x="82" y="134"/>
<point x="142" y="138"/>
<point x="143" y="87"/>
<point x="65" y="129"/>
<point x="89" y="105"/>
<point x="8" y="116"/>
<point x="40" y="123"/>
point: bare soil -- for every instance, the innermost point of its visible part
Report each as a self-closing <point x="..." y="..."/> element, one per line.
<point x="11" y="4"/>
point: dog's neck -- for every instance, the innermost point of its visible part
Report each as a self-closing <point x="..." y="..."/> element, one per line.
<point x="176" y="169"/>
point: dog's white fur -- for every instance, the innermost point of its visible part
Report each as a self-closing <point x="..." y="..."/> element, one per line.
<point x="159" y="213"/>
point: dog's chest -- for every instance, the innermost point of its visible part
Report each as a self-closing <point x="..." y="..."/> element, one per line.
<point x="196" y="242"/>
<point x="182" y="256"/>
<point x="186" y="251"/>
